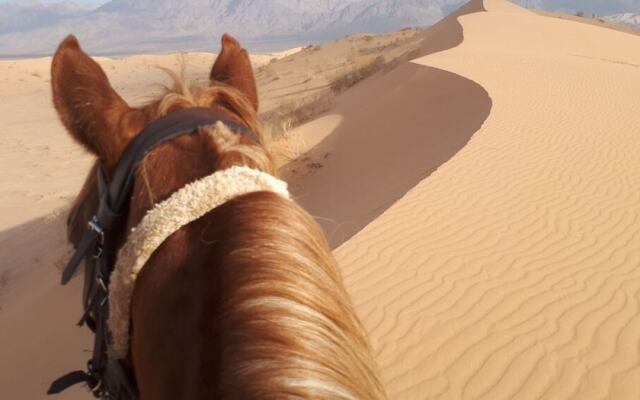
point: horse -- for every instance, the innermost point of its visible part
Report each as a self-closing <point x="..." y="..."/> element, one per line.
<point x="246" y="301"/>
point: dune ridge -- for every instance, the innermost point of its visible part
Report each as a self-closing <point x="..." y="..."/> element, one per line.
<point x="386" y="135"/>
<point x="484" y="202"/>
<point x="513" y="271"/>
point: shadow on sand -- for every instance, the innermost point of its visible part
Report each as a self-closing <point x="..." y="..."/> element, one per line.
<point x="396" y="130"/>
<point x="415" y="119"/>
<point x="38" y="332"/>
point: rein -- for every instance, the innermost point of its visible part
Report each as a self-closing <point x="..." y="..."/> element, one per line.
<point x="106" y="377"/>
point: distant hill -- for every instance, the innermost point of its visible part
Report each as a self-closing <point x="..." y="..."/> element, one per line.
<point x="32" y="27"/>
<point x="588" y="7"/>
<point x="30" y="14"/>
<point x="133" y="26"/>
<point x="632" y="19"/>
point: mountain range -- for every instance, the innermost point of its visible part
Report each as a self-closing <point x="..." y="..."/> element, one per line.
<point x="632" y="19"/>
<point x="131" y="26"/>
<point x="588" y="7"/>
<point x="33" y="27"/>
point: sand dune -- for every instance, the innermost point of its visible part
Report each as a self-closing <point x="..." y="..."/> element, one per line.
<point x="41" y="171"/>
<point x="415" y="119"/>
<point x="484" y="202"/>
<point x="513" y="271"/>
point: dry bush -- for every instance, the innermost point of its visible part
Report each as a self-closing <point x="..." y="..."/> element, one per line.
<point x="292" y="114"/>
<point x="351" y="78"/>
<point x="288" y="147"/>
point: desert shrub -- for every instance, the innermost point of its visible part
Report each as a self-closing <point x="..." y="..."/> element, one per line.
<point x="354" y="76"/>
<point x="292" y="114"/>
<point x="580" y="14"/>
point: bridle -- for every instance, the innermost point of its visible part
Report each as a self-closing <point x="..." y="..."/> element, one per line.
<point x="108" y="378"/>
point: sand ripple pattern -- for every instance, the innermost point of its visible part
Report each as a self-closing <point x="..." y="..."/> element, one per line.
<point x="513" y="272"/>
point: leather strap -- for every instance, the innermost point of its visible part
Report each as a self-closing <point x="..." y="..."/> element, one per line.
<point x="105" y="376"/>
<point x="72" y="378"/>
<point x="115" y="195"/>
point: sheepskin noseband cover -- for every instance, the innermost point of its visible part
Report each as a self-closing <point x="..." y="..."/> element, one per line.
<point x="185" y="206"/>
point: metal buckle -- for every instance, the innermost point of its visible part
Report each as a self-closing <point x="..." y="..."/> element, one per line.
<point x="94" y="225"/>
<point x="96" y="386"/>
<point x="103" y="285"/>
<point x="98" y="252"/>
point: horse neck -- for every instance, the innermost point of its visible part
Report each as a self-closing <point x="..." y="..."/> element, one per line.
<point x="263" y="310"/>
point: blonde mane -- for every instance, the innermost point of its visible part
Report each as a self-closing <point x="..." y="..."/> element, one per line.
<point x="245" y="301"/>
<point x="183" y="95"/>
<point x="287" y="326"/>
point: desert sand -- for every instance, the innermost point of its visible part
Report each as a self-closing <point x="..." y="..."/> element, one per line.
<point x="41" y="170"/>
<point x="513" y="270"/>
<point x="483" y="201"/>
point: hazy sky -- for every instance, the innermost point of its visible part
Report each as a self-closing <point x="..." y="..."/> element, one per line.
<point x="88" y="2"/>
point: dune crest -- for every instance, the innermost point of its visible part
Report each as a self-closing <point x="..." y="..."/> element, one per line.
<point x="512" y="271"/>
<point x="484" y="200"/>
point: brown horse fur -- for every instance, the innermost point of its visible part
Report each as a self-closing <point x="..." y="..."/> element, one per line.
<point x="245" y="302"/>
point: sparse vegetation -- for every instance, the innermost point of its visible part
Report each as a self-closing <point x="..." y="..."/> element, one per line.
<point x="291" y="114"/>
<point x="312" y="78"/>
<point x="350" y="78"/>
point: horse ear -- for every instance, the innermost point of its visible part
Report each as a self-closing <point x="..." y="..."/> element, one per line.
<point x="233" y="67"/>
<point x="93" y="113"/>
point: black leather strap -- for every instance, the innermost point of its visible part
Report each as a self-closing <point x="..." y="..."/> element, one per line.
<point x="158" y="132"/>
<point x="72" y="378"/>
<point x="104" y="375"/>
<point x="88" y="244"/>
<point x="115" y="195"/>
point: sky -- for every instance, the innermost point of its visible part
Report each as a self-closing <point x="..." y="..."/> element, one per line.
<point x="82" y="2"/>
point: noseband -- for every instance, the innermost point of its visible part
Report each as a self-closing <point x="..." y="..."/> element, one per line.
<point x="109" y="378"/>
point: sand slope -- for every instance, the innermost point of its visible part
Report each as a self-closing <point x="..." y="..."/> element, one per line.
<point x="485" y="200"/>
<point x="387" y="134"/>
<point x="41" y="170"/>
<point x="513" y="271"/>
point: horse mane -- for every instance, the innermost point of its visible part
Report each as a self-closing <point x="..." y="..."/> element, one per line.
<point x="285" y="325"/>
<point x="286" y="322"/>
<point x="183" y="95"/>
